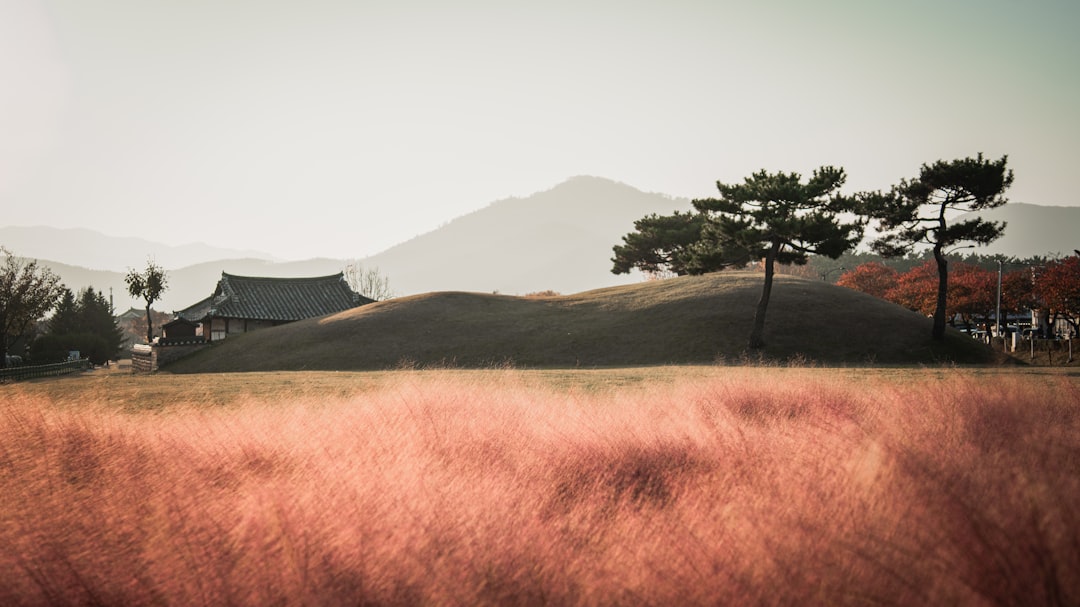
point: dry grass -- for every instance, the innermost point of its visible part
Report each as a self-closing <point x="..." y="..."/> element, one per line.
<point x="703" y="486"/>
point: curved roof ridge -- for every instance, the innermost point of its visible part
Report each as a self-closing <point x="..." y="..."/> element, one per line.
<point x="284" y="278"/>
<point x="283" y="298"/>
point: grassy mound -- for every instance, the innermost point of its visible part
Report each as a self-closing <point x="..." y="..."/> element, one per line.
<point x="693" y="319"/>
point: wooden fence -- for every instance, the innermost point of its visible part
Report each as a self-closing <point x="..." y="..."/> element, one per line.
<point x="35" y="371"/>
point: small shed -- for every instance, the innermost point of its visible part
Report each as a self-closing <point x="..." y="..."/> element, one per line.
<point x="180" y="329"/>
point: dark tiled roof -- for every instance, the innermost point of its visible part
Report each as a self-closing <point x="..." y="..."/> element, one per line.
<point x="282" y="299"/>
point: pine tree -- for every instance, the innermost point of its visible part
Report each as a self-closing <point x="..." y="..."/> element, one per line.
<point x="916" y="212"/>
<point x="98" y="321"/>
<point x="778" y="218"/>
<point x="65" y="320"/>
<point x="659" y="244"/>
<point x="84" y="324"/>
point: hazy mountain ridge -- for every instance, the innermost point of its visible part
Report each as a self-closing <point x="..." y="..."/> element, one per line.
<point x="558" y="239"/>
<point x="97" y="251"/>
<point x="186" y="285"/>
<point x="1049" y="231"/>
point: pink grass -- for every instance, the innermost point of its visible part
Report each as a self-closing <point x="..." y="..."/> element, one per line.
<point x="743" y="488"/>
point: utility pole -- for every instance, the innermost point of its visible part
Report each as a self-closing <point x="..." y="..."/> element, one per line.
<point x="998" y="313"/>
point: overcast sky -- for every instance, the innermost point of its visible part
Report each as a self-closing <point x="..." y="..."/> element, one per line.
<point x="339" y="128"/>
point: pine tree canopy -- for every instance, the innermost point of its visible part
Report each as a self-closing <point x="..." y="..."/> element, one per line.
<point x="778" y="212"/>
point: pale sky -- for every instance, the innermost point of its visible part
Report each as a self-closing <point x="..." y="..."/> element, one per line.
<point x="340" y="128"/>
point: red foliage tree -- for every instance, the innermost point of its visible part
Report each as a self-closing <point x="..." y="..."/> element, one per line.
<point x="972" y="293"/>
<point x="1018" y="291"/>
<point x="916" y="289"/>
<point x="872" y="278"/>
<point x="1057" y="287"/>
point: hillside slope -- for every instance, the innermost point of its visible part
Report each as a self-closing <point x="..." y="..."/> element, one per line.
<point x="682" y="320"/>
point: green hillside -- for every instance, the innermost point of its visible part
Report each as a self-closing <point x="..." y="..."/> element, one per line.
<point x="695" y="319"/>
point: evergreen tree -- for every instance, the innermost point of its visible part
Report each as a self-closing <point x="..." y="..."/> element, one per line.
<point x="84" y="324"/>
<point x="779" y="218"/>
<point x="65" y="320"/>
<point x="659" y="244"/>
<point x="916" y="212"/>
<point x="98" y="321"/>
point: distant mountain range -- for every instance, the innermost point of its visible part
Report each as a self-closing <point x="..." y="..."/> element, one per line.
<point x="89" y="249"/>
<point x="189" y="284"/>
<point x="559" y="239"/>
<point x="1033" y="230"/>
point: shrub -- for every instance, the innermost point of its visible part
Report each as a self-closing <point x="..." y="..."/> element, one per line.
<point x="542" y="294"/>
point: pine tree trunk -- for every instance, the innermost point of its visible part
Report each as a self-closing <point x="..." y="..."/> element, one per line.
<point x="943" y="290"/>
<point x="757" y="339"/>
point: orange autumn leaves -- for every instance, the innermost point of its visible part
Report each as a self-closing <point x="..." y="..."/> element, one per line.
<point x="972" y="290"/>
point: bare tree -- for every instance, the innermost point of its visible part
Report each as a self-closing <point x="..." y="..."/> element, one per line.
<point x="27" y="292"/>
<point x="148" y="285"/>
<point x="368" y="282"/>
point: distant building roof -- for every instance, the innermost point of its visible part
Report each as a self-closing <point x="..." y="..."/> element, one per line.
<point x="133" y="313"/>
<point x="179" y="321"/>
<point x="276" y="299"/>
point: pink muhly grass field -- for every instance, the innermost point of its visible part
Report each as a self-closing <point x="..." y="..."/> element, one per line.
<point x="725" y="490"/>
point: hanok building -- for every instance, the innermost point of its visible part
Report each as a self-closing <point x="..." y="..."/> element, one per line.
<point x="246" y="303"/>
